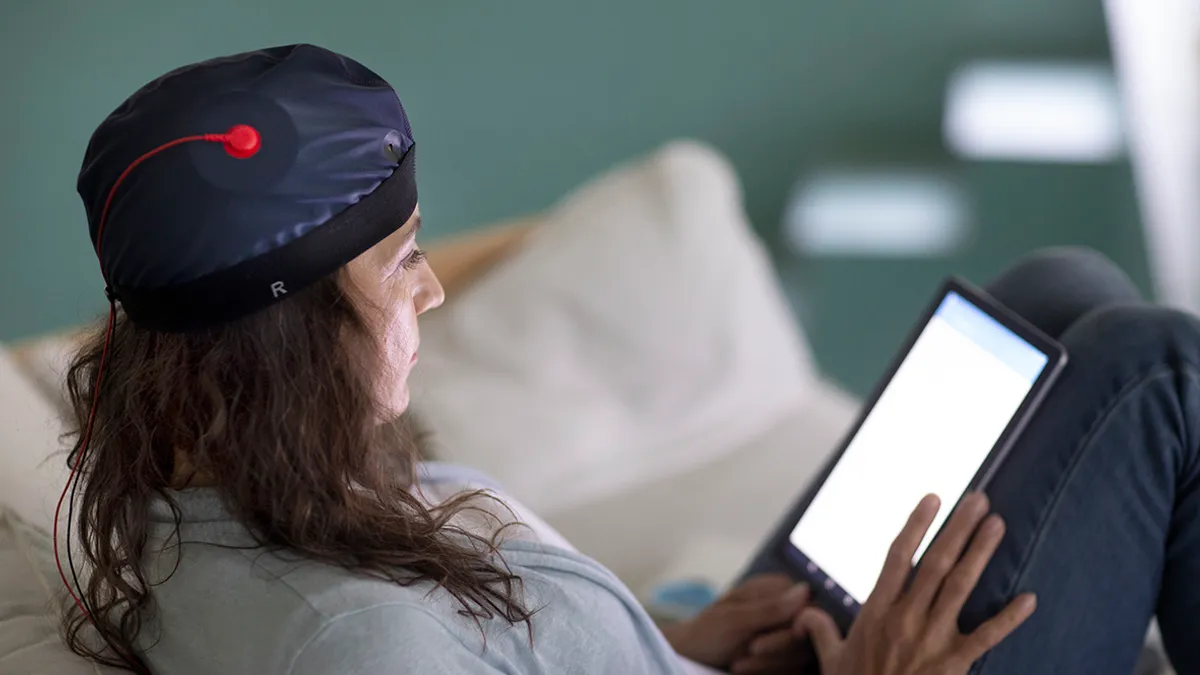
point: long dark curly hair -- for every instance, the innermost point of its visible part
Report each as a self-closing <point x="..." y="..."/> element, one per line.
<point x="277" y="411"/>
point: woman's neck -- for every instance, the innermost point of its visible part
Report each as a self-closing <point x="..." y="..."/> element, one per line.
<point x="186" y="475"/>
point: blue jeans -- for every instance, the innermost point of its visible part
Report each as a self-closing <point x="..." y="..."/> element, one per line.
<point x="1101" y="493"/>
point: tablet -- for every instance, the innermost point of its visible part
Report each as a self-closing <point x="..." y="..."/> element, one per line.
<point x="941" y="421"/>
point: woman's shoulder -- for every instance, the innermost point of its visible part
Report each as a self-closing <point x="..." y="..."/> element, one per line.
<point x="380" y="637"/>
<point x="259" y="611"/>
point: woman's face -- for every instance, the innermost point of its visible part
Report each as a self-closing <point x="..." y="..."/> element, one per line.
<point x="393" y="285"/>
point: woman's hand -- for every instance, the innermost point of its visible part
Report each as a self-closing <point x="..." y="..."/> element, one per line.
<point x="749" y="630"/>
<point x="904" y="632"/>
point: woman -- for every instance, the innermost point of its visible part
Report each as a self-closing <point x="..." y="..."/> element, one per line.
<point x="248" y="505"/>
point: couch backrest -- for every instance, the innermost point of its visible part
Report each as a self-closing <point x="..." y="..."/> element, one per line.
<point x="32" y="474"/>
<point x="32" y="448"/>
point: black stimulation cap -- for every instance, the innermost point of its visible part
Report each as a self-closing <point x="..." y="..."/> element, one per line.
<point x="203" y="232"/>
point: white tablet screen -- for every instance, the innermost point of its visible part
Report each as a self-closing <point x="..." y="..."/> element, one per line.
<point x="930" y="431"/>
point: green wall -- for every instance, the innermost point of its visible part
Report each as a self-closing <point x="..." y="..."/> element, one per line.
<point x="515" y="102"/>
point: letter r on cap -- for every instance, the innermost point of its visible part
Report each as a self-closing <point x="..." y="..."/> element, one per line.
<point x="277" y="289"/>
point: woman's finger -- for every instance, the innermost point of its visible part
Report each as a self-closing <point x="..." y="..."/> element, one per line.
<point x="965" y="575"/>
<point x="825" y="636"/>
<point x="898" y="565"/>
<point x="780" y="651"/>
<point x="944" y="553"/>
<point x="776" y="641"/>
<point x="753" y="616"/>
<point x="994" y="630"/>
<point x="762" y="586"/>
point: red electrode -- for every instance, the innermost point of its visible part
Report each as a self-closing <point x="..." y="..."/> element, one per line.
<point x="242" y="141"/>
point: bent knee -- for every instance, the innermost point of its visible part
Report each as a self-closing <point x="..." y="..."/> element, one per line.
<point x="1067" y="256"/>
<point x="1135" y="334"/>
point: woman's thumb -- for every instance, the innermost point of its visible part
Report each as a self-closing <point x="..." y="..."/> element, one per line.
<point x="824" y="634"/>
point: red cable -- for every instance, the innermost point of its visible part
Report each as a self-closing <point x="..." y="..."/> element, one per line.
<point x="87" y="432"/>
<point x="241" y="141"/>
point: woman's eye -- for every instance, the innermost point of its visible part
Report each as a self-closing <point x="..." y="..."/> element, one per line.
<point x="414" y="259"/>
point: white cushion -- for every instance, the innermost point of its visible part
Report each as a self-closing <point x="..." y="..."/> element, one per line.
<point x="33" y="466"/>
<point x="45" y="361"/>
<point x="638" y="332"/>
<point x="650" y="533"/>
<point x="30" y="641"/>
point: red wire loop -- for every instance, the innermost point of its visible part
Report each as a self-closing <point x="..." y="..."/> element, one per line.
<point x="241" y="142"/>
<point x="83" y="444"/>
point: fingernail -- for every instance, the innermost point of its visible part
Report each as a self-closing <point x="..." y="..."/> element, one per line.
<point x="1030" y="602"/>
<point x="975" y="503"/>
<point x="797" y="593"/>
<point x="757" y="647"/>
<point x="993" y="525"/>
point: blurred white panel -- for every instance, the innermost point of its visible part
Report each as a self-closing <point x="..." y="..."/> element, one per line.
<point x="897" y="213"/>
<point x="1028" y="111"/>
<point x="1156" y="47"/>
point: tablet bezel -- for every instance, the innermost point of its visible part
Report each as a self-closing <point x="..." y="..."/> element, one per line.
<point x="774" y="555"/>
